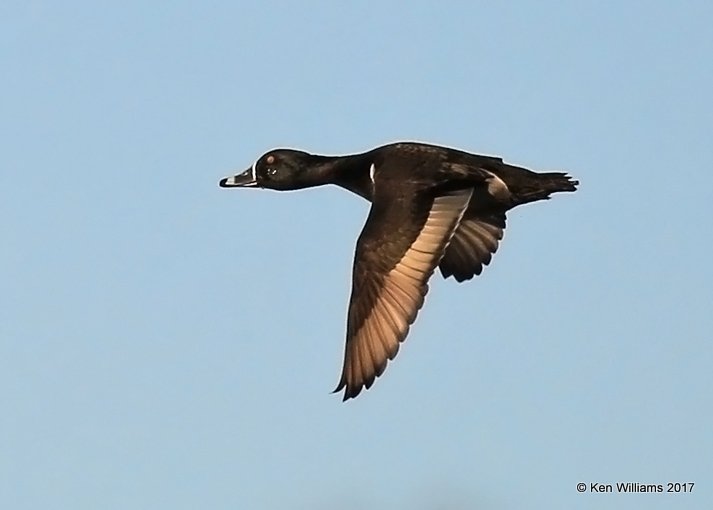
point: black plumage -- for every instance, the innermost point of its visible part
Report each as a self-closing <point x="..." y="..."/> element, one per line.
<point x="431" y="207"/>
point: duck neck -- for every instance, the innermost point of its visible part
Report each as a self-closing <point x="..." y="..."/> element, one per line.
<point x="350" y="173"/>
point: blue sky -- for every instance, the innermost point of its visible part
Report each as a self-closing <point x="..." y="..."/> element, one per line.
<point x="168" y="344"/>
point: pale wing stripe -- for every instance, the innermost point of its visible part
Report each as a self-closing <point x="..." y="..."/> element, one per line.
<point x="397" y="295"/>
<point x="412" y="273"/>
<point x="407" y="278"/>
<point x="409" y="299"/>
<point x="383" y="324"/>
<point x="390" y="341"/>
<point x="387" y="341"/>
<point x="375" y="350"/>
<point x="371" y="348"/>
<point x="418" y="265"/>
<point x="422" y="253"/>
<point x="413" y="267"/>
<point x="355" y="366"/>
<point x="398" y="318"/>
<point x="428" y="241"/>
<point x="368" y="355"/>
<point x="422" y="246"/>
<point x="375" y="338"/>
<point x="401" y="293"/>
<point x="388" y="312"/>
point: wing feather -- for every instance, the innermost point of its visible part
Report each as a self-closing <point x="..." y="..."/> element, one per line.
<point x="391" y="282"/>
<point x="473" y="245"/>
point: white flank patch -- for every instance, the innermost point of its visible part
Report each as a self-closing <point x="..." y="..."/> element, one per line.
<point x="497" y="187"/>
<point x="428" y="248"/>
<point x="372" y="169"/>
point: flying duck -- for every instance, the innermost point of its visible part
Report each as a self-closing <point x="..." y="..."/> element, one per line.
<point x="431" y="207"/>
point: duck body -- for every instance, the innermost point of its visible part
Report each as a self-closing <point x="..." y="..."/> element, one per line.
<point x="431" y="207"/>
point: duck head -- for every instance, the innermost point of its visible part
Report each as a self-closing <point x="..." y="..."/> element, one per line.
<point x="280" y="169"/>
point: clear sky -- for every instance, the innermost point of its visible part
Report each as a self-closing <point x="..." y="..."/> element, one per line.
<point x="168" y="344"/>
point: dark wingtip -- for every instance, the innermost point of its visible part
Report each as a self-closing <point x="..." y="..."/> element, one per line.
<point x="223" y="183"/>
<point x="339" y="388"/>
<point x="349" y="392"/>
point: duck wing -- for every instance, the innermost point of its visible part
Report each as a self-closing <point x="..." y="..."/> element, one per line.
<point x="403" y="240"/>
<point x="473" y="244"/>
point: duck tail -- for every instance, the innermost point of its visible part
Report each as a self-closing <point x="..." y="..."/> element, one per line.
<point x="542" y="185"/>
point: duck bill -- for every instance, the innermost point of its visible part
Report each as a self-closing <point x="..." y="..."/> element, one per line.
<point x="243" y="180"/>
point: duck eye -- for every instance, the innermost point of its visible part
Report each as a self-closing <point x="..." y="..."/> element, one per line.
<point x="270" y="159"/>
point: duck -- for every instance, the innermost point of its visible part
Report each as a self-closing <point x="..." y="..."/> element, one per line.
<point x="431" y="207"/>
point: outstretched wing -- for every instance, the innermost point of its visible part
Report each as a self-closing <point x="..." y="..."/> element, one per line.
<point x="475" y="241"/>
<point x="401" y="244"/>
